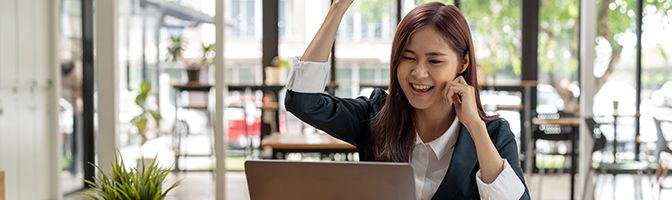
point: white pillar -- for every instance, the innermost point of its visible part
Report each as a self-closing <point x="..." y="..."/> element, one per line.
<point x="29" y="92"/>
<point x="107" y="73"/>
<point x="220" y="94"/>
<point x="588" y="24"/>
<point x="55" y="141"/>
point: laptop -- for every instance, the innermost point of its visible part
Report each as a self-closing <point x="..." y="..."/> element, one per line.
<point x="279" y="179"/>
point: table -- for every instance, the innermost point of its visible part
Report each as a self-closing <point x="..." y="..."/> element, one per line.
<point x="191" y="87"/>
<point x="574" y="123"/>
<point x="281" y="144"/>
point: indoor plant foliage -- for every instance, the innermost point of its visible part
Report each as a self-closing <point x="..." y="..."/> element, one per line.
<point x="208" y="53"/>
<point x="176" y="48"/>
<point x="140" y="121"/>
<point x="194" y="68"/>
<point x="132" y="184"/>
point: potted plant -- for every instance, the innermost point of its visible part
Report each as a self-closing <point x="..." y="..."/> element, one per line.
<point x="141" y="120"/>
<point x="175" y="48"/>
<point x="145" y="182"/>
<point x="194" y="69"/>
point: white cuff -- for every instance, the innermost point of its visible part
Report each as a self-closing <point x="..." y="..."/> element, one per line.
<point x="506" y="186"/>
<point x="308" y="77"/>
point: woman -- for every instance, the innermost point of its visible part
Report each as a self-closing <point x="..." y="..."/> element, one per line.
<point x="432" y="116"/>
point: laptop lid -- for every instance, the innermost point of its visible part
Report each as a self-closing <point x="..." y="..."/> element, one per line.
<point x="277" y="179"/>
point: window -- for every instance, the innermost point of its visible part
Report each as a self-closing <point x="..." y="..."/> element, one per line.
<point x="298" y="21"/>
<point x="242" y="49"/>
<point x="558" y="56"/>
<point x="495" y="27"/>
<point x="656" y="96"/>
<point x="70" y="112"/>
<point x="615" y="67"/>
<point x="363" y="45"/>
<point x="243" y="18"/>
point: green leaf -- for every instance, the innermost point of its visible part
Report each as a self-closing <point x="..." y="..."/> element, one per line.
<point x="133" y="184"/>
<point x="140" y="100"/>
<point x="155" y="114"/>
<point x="145" y="87"/>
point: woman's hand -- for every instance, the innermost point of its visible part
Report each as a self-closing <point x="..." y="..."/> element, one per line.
<point x="462" y="96"/>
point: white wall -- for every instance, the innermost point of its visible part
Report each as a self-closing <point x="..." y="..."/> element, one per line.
<point x="28" y="98"/>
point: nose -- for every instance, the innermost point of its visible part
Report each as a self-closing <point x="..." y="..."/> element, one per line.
<point x="420" y="71"/>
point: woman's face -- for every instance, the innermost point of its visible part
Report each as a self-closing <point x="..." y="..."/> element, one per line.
<point x="427" y="64"/>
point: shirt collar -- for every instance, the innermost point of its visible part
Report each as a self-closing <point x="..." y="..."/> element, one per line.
<point x="441" y="145"/>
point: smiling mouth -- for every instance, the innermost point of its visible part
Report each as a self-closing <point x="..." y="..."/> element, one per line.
<point x="421" y="88"/>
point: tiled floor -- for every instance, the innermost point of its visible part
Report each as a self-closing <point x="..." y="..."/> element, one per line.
<point x="200" y="185"/>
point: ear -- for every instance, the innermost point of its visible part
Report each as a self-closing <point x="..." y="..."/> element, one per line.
<point x="465" y="63"/>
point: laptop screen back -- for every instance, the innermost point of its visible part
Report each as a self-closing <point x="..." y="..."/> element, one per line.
<point x="272" y="179"/>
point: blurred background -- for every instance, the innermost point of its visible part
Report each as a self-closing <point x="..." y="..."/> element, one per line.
<point x="615" y="119"/>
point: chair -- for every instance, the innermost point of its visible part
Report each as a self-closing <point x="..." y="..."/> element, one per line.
<point x="599" y="142"/>
<point x="549" y="133"/>
<point x="661" y="146"/>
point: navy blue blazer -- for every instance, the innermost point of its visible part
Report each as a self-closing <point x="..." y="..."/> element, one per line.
<point x="352" y="120"/>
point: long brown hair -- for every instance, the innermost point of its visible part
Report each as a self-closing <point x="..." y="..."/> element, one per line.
<point x="394" y="130"/>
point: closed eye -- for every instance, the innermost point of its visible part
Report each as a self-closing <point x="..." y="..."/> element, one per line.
<point x="408" y="58"/>
<point x="435" y="61"/>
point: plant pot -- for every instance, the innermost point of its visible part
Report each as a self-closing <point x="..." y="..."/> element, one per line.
<point x="275" y="75"/>
<point x="193" y="76"/>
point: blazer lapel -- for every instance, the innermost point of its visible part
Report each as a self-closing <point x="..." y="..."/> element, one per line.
<point x="457" y="181"/>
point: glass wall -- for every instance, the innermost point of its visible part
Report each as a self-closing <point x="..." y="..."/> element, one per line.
<point x="615" y="71"/>
<point x="558" y="77"/>
<point x="242" y="54"/>
<point x="70" y="101"/>
<point x="298" y="21"/>
<point x="656" y="96"/>
<point x="160" y="41"/>
<point x="363" y="46"/>
<point x="558" y="57"/>
<point x="242" y="51"/>
<point x="495" y="27"/>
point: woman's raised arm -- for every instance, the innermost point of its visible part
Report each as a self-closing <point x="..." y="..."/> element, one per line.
<point x="319" y="48"/>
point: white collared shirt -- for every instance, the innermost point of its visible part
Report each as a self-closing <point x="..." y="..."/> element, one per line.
<point x="431" y="160"/>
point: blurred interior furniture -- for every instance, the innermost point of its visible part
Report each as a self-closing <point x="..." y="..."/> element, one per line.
<point x="556" y="128"/>
<point x="181" y="127"/>
<point x="272" y="92"/>
<point x="613" y="168"/>
<point x="282" y="144"/>
<point x="243" y="129"/>
<point x="599" y="142"/>
<point x="662" y="145"/>
<point x="527" y="90"/>
<point x="2" y="185"/>
<point x="246" y="128"/>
